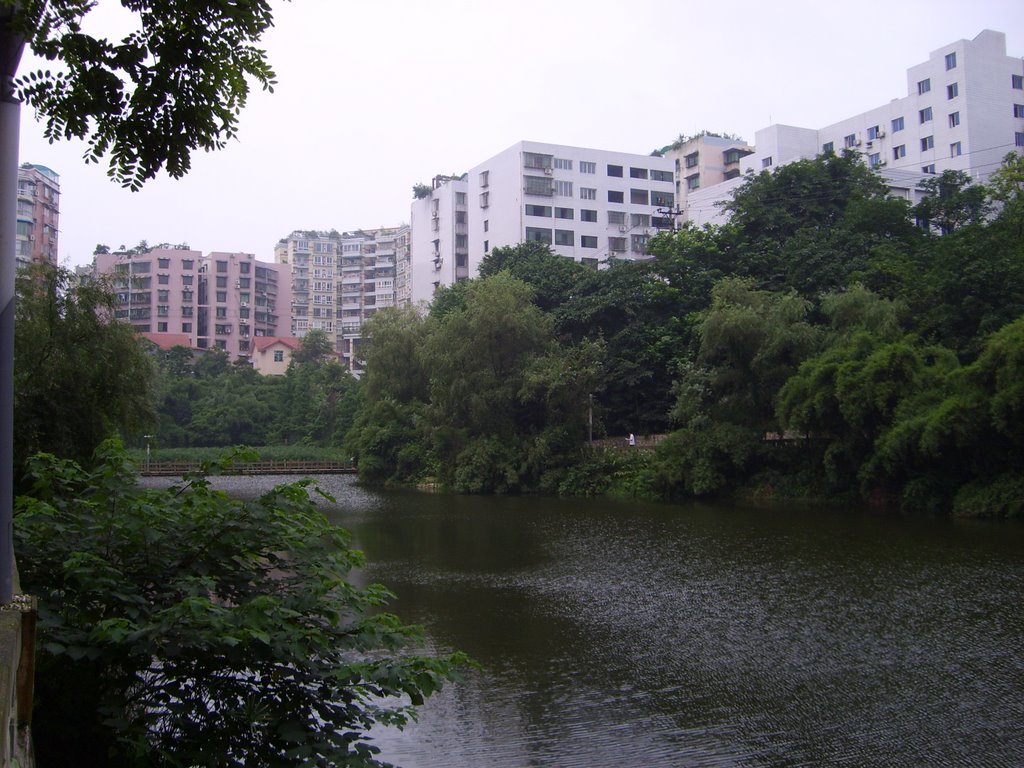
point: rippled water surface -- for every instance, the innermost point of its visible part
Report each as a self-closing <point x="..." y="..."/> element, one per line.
<point x="646" y="635"/>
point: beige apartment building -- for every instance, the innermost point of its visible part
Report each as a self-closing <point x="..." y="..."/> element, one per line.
<point x="339" y="279"/>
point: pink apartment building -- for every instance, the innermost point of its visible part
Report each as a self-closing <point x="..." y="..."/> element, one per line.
<point x="223" y="300"/>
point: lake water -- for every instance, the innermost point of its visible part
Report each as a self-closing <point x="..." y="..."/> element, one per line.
<point x="636" y="634"/>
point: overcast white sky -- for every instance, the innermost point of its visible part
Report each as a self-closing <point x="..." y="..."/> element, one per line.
<point x="375" y="96"/>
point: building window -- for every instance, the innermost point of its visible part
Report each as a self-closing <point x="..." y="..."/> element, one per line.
<point x="1018" y="139"/>
<point x="955" y="149"/>
<point x="485" y="177"/>
<point x="928" y="142"/>
<point x="222" y="296"/>
<point x="487" y="246"/>
<point x="538" y="210"/>
<point x="563" y="164"/>
<point x="662" y="199"/>
<point x="565" y="237"/>
<point x="563" y="188"/>
<point x="617" y="244"/>
<point x="487" y="225"/>
<point x="586" y="167"/>
<point x="538" y="185"/>
<point x="222" y="266"/>
<point x="460" y="198"/>
<point x="951" y="61"/>
<point x="923" y="86"/>
<point x="588" y="215"/>
<point x="874" y="159"/>
<point x="186" y="327"/>
<point x="640" y="220"/>
<point x="952" y="91"/>
<point x="188" y="264"/>
<point x="617" y="217"/>
<point x="588" y="241"/>
<point x="850" y="140"/>
<point x="615" y="197"/>
<point x="691" y="160"/>
<point x="536" y="160"/>
<point x="536" y="235"/>
<point x="278" y="355"/>
<point x="637" y="173"/>
<point x="639" y="197"/>
<point x="766" y="162"/>
<point x="661" y="176"/>
<point x="161" y="327"/>
<point x="897" y="124"/>
<point x="587" y="193"/>
<point x="899" y="152"/>
<point x="160" y="279"/>
<point x="693" y="182"/>
<point x="930" y="168"/>
<point x="925" y="114"/>
<point x="222" y="281"/>
<point x="562" y="213"/>
<point x="828" y="146"/>
<point x="485" y="198"/>
<point x="873" y="132"/>
<point x="954" y="119"/>
<point x="615" y="170"/>
<point x="243" y="268"/>
<point x="1018" y="110"/>
<point x="222" y="312"/>
<point x="163" y="263"/>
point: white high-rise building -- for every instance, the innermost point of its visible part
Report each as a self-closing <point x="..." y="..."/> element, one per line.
<point x="587" y="204"/>
<point x="964" y="111"/>
<point x="440" y="239"/>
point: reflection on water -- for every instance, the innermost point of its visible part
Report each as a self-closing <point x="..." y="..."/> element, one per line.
<point x="699" y="635"/>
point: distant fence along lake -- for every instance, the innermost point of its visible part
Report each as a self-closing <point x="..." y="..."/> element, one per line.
<point x="269" y="467"/>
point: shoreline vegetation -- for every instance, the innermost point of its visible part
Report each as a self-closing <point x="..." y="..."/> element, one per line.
<point x="890" y="334"/>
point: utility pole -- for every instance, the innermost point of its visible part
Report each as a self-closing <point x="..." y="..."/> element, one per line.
<point x="674" y="213"/>
<point x="12" y="43"/>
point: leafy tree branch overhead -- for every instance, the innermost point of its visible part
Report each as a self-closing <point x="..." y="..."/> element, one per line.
<point x="174" y="85"/>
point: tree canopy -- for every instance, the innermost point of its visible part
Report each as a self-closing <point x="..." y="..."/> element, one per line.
<point x="79" y="375"/>
<point x="175" y="84"/>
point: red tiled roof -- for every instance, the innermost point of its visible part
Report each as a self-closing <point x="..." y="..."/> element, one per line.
<point x="167" y="340"/>
<point x="265" y="342"/>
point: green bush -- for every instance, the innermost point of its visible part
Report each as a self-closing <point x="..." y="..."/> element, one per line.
<point x="181" y="627"/>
